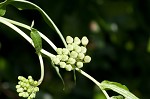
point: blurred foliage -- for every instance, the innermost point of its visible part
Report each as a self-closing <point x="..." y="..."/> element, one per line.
<point x="119" y="46"/>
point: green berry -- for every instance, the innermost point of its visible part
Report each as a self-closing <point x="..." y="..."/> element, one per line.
<point x="77" y="40"/>
<point x="21" y="94"/>
<point x="65" y="51"/>
<point x="73" y="54"/>
<point x="77" y="49"/>
<point x="30" y="77"/>
<point x="35" y="83"/>
<point x="62" y="64"/>
<point x="79" y="64"/>
<point x="18" y="86"/>
<point x="20" y="90"/>
<point x="84" y="40"/>
<point x="32" y="95"/>
<point x="59" y="56"/>
<point x="25" y="94"/>
<point x="83" y="49"/>
<point x="36" y="89"/>
<point x="64" y="57"/>
<point x="69" y="39"/>
<point x="87" y="59"/>
<point x="70" y="47"/>
<point x="81" y="56"/>
<point x="59" y="51"/>
<point x="56" y="60"/>
<point x="74" y="45"/>
<point x="71" y="60"/>
<point x="68" y="67"/>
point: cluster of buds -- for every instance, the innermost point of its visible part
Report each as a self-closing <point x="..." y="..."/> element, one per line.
<point x="27" y="88"/>
<point x="74" y="55"/>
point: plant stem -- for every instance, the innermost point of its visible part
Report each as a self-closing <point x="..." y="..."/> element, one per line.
<point x="42" y="69"/>
<point x="94" y="80"/>
<point x="29" y="28"/>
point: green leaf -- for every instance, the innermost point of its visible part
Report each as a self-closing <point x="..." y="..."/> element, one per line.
<point x="37" y="41"/>
<point x="2" y="8"/>
<point x="119" y="88"/>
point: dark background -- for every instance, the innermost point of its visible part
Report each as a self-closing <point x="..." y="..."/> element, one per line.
<point x="118" y="31"/>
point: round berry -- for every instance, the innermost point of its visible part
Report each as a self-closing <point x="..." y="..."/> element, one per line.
<point x="87" y="59"/>
<point x="71" y="60"/>
<point x="62" y="64"/>
<point x="79" y="64"/>
<point x="69" y="39"/>
<point x="77" y="40"/>
<point x="68" y="67"/>
<point x="73" y="54"/>
<point x="59" y="51"/>
<point x="84" y="40"/>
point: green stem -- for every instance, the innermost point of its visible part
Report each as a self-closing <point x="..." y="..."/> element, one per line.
<point x="42" y="68"/>
<point x="29" y="28"/>
<point x="94" y="80"/>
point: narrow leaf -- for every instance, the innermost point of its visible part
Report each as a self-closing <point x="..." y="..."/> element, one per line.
<point x="37" y="41"/>
<point x="119" y="88"/>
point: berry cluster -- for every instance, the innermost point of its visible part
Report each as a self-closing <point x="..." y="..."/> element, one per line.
<point x="74" y="55"/>
<point x="27" y="88"/>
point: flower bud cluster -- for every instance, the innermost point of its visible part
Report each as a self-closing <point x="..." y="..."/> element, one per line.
<point x="74" y="55"/>
<point x="27" y="88"/>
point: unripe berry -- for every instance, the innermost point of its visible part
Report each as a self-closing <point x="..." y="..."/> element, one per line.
<point x="84" y="40"/>
<point x="64" y="57"/>
<point x="56" y="60"/>
<point x="81" y="56"/>
<point x="32" y="95"/>
<point x="65" y="51"/>
<point x="83" y="49"/>
<point x="25" y="95"/>
<point x="74" y="45"/>
<point x="68" y="67"/>
<point x="70" y="47"/>
<point x="18" y="86"/>
<point x="69" y="39"/>
<point x="71" y="60"/>
<point x="30" y="77"/>
<point x="35" y="83"/>
<point x="77" y="40"/>
<point x="59" y="51"/>
<point x="73" y="54"/>
<point x="36" y="89"/>
<point x="77" y="49"/>
<point x="20" y="90"/>
<point x="62" y="64"/>
<point x="79" y="64"/>
<point x="59" y="56"/>
<point x="87" y="59"/>
<point x="21" y="94"/>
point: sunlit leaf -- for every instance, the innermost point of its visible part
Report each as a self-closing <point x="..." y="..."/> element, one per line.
<point x="119" y="88"/>
<point x="36" y="40"/>
<point x="2" y="8"/>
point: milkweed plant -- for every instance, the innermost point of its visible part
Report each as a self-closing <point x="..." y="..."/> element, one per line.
<point x="71" y="58"/>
